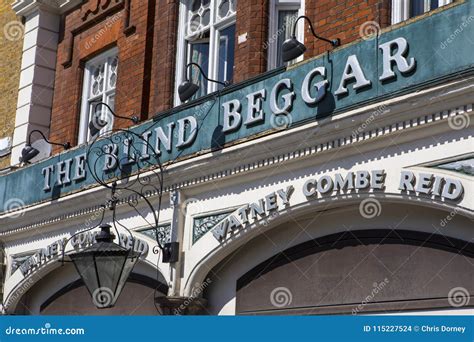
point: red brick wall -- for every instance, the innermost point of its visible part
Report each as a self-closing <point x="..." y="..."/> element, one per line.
<point x="134" y="74"/>
<point x="164" y="65"/>
<point x="147" y="56"/>
<point x="250" y="57"/>
<point x="342" y="19"/>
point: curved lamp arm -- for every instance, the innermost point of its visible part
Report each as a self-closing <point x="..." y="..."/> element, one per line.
<point x="335" y="42"/>
<point x="225" y="84"/>
<point x="66" y="145"/>
<point x="134" y="118"/>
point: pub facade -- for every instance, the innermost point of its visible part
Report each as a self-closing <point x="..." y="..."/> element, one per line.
<point x="255" y="161"/>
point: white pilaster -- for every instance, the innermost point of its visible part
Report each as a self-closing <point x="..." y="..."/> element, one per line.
<point x="38" y="66"/>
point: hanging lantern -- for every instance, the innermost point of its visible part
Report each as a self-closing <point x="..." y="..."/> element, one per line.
<point x="104" y="267"/>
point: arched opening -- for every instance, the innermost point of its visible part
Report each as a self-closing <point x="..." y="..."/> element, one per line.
<point x="410" y="257"/>
<point x="62" y="292"/>
<point x="356" y="272"/>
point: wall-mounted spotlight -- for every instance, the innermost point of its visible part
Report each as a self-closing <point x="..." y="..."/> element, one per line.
<point x="29" y="152"/>
<point x="187" y="89"/>
<point x="292" y="48"/>
<point x="97" y="123"/>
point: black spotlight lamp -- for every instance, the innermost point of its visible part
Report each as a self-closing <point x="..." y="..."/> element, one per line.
<point x="187" y="89"/>
<point x="29" y="152"/>
<point x="292" y="48"/>
<point x="97" y="123"/>
<point x="104" y="267"/>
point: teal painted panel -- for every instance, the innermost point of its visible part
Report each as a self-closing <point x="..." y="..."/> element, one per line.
<point x="442" y="45"/>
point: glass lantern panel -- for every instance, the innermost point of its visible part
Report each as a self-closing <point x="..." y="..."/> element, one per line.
<point x="109" y="270"/>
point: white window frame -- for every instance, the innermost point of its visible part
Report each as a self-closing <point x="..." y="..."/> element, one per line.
<point x="183" y="51"/>
<point x="401" y="9"/>
<point x="275" y="7"/>
<point x="84" y="135"/>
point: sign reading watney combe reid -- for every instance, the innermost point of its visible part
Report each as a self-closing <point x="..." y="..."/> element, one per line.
<point x="400" y="60"/>
<point x="268" y="207"/>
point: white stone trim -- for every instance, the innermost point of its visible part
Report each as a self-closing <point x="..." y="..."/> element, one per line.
<point x="26" y="7"/>
<point x="38" y="66"/>
<point x="328" y="145"/>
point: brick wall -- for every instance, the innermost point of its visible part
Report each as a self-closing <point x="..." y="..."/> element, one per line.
<point x="147" y="56"/>
<point x="11" y="40"/>
<point x="250" y="56"/>
<point x="164" y="63"/>
<point x="343" y="19"/>
<point x="81" y="42"/>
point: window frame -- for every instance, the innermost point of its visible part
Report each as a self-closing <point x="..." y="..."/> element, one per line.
<point x="275" y="7"/>
<point x="84" y="136"/>
<point x="183" y="53"/>
<point x="401" y="9"/>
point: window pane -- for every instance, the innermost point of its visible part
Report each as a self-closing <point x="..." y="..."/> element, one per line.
<point x="226" y="54"/>
<point x="97" y="80"/>
<point x="199" y="55"/>
<point x="112" y="75"/>
<point x="434" y="4"/>
<point x="286" y="19"/>
<point x="417" y="7"/>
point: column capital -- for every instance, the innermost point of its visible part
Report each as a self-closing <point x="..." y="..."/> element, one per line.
<point x="26" y="7"/>
<point x="178" y="306"/>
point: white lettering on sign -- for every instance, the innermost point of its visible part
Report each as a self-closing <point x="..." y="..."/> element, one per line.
<point x="78" y="242"/>
<point x="326" y="185"/>
<point x="252" y="212"/>
<point x="429" y="184"/>
<point x="247" y="112"/>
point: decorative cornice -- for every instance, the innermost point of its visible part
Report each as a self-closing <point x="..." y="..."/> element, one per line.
<point x="100" y="7"/>
<point x="323" y="147"/>
<point x="26" y="7"/>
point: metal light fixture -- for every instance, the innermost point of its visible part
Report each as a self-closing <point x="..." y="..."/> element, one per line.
<point x="29" y="152"/>
<point x="97" y="123"/>
<point x="187" y="89"/>
<point x="292" y="48"/>
<point x="104" y="267"/>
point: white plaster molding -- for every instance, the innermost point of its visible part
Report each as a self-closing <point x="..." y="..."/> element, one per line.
<point x="241" y="169"/>
<point x="26" y="7"/>
<point x="37" y="75"/>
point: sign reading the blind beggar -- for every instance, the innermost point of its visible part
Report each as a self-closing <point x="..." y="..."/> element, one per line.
<point x="326" y="185"/>
<point x="255" y="108"/>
